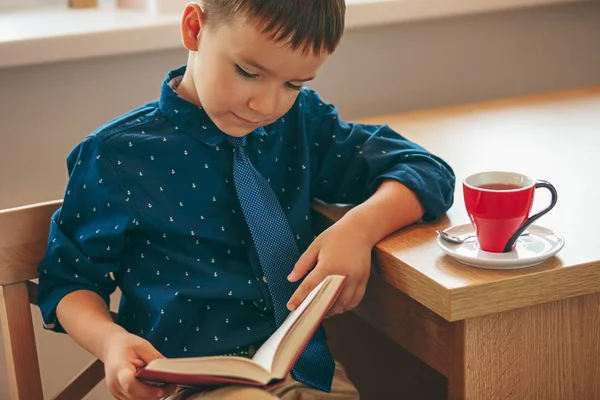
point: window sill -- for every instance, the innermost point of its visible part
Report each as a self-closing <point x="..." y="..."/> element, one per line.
<point x="27" y="37"/>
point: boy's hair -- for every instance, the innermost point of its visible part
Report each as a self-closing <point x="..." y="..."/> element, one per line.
<point x="315" y="25"/>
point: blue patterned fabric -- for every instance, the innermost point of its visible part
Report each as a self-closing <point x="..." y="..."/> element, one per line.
<point x="151" y="207"/>
<point x="277" y="253"/>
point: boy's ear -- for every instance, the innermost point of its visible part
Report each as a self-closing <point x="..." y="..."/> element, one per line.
<point x="192" y="23"/>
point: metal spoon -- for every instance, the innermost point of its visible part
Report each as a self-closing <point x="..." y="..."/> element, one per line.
<point x="461" y="239"/>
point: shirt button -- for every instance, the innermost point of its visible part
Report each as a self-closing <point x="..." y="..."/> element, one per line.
<point x="264" y="279"/>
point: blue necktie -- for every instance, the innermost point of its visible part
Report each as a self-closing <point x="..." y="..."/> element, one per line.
<point x="277" y="252"/>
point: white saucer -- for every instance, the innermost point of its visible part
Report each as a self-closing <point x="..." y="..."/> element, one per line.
<point x="530" y="250"/>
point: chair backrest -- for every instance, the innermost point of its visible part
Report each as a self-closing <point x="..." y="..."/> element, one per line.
<point x="23" y="241"/>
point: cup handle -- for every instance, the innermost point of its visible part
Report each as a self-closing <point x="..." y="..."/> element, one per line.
<point x="530" y="220"/>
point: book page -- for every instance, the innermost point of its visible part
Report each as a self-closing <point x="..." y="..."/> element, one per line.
<point x="266" y="353"/>
<point x="203" y="370"/>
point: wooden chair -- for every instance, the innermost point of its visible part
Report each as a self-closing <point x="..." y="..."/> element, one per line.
<point x="23" y="241"/>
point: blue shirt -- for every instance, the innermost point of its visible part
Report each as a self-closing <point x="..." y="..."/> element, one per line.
<point x="151" y="207"/>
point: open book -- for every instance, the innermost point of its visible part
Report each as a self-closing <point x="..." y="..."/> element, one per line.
<point x="272" y="361"/>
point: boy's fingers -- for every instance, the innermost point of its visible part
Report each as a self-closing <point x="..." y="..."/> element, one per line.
<point x="147" y="353"/>
<point x="358" y="296"/>
<point x="139" y="390"/>
<point x="305" y="263"/>
<point x="311" y="281"/>
<point x="135" y="389"/>
<point x="343" y="301"/>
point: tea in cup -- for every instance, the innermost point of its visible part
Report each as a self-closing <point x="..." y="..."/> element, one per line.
<point x="499" y="203"/>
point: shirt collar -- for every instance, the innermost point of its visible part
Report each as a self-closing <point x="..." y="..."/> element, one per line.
<point x="187" y="116"/>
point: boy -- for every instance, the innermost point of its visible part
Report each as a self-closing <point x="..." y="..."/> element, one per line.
<point x="198" y="206"/>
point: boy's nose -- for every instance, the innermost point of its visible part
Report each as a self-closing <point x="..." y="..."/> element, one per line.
<point x="264" y="104"/>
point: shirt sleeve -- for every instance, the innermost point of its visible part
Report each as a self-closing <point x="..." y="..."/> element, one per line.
<point x="86" y="234"/>
<point x="349" y="161"/>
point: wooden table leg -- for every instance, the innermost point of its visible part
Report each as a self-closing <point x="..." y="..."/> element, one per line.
<point x="549" y="351"/>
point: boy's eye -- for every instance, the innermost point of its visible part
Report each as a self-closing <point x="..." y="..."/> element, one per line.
<point x="292" y="86"/>
<point x="249" y="75"/>
<point x="245" y="73"/>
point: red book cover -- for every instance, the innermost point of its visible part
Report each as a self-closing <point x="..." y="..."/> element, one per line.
<point x="204" y="380"/>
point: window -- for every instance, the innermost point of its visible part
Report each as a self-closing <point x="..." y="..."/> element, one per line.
<point x="10" y="4"/>
<point x="28" y="4"/>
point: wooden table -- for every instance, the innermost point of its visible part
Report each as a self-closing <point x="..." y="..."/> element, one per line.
<point x="521" y="334"/>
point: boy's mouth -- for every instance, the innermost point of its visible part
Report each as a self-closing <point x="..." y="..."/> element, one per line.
<point x="247" y="122"/>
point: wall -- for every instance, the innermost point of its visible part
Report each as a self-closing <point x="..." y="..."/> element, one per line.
<point x="45" y="110"/>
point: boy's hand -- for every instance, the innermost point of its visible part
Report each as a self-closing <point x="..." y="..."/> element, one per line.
<point x="343" y="249"/>
<point x="123" y="354"/>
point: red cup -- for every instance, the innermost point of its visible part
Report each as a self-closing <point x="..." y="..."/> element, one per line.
<point x="499" y="203"/>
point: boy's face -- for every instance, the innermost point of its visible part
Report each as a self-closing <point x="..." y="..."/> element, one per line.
<point x="243" y="79"/>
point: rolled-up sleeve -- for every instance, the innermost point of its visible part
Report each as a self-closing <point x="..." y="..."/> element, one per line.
<point x="87" y="233"/>
<point x="349" y="161"/>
